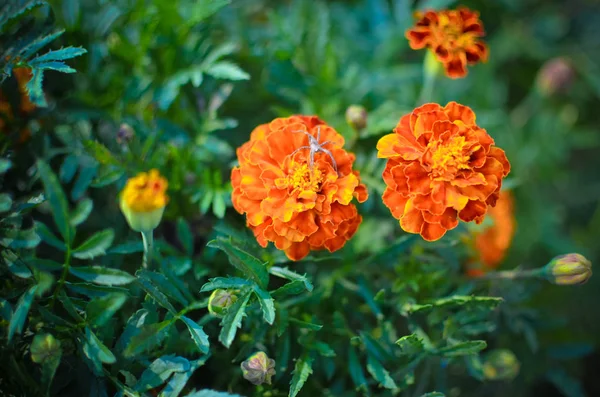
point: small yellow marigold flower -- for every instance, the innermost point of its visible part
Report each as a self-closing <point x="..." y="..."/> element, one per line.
<point x="501" y="364"/>
<point x="143" y="200"/>
<point x="569" y="269"/>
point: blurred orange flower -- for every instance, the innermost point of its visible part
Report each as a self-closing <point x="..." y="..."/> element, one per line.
<point x="295" y="184"/>
<point x="453" y="36"/>
<point x="22" y="75"/>
<point x="491" y="243"/>
<point x="441" y="168"/>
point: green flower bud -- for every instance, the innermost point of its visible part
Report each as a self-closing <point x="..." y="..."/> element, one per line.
<point x="258" y="369"/>
<point x="501" y="364"/>
<point x="356" y="117"/>
<point x="45" y="348"/>
<point x="220" y="300"/>
<point x="569" y="269"/>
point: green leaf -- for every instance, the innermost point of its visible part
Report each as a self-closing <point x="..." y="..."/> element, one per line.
<point x="46" y="351"/>
<point x="225" y="283"/>
<point x="20" y="314"/>
<point x="456" y="301"/>
<point x="462" y="348"/>
<point x="218" y="205"/>
<point x="179" y="380"/>
<point x="17" y="239"/>
<point x="379" y="373"/>
<point x="164" y="285"/>
<point x="434" y="394"/>
<point x="154" y="292"/>
<point x="286" y="273"/>
<point x="5" y="202"/>
<point x="198" y="334"/>
<point x="5" y="165"/>
<point x="411" y="344"/>
<point x="127" y="248"/>
<point x="68" y="168"/>
<point x="107" y="175"/>
<point x="301" y="372"/>
<point x="48" y="237"/>
<point x="57" y="200"/>
<point x="289" y="289"/>
<point x="149" y="337"/>
<point x="101" y="309"/>
<point x="59" y="55"/>
<point x="35" y="90"/>
<point x="184" y="234"/>
<point x="266" y="304"/>
<point x="251" y="266"/>
<point x="102" y="275"/>
<point x="81" y="212"/>
<point x="95" y="245"/>
<point x="99" y="152"/>
<point x="233" y="319"/>
<point x="84" y="179"/>
<point x="566" y="384"/>
<point x="5" y="309"/>
<point x="211" y="393"/>
<point x="227" y="71"/>
<point x="95" y="350"/>
<point x="160" y="370"/>
<point x="323" y="349"/>
<point x="94" y="291"/>
<point x="356" y="371"/>
<point x="305" y="325"/>
<point x="201" y="10"/>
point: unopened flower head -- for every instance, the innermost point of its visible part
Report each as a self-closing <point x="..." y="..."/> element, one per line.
<point x="143" y="200"/>
<point x="220" y="300"/>
<point x="453" y="36"/>
<point x="258" y="369"/>
<point x="555" y="76"/>
<point x="295" y="183"/>
<point x="501" y="364"/>
<point x="569" y="269"/>
<point x="125" y="134"/>
<point x="356" y="117"/>
<point x="441" y="167"/>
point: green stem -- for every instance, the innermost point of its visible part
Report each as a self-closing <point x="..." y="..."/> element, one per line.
<point x="63" y="276"/>
<point x="148" y="239"/>
<point x="513" y="274"/>
<point x="431" y="69"/>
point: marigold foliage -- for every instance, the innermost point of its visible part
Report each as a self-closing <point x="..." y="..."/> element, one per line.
<point x="286" y="201"/>
<point x="441" y="168"/>
<point x="453" y="36"/>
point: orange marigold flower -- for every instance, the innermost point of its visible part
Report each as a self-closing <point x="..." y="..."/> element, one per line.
<point x="453" y="36"/>
<point x="295" y="184"/>
<point x="492" y="242"/>
<point x="441" y="168"/>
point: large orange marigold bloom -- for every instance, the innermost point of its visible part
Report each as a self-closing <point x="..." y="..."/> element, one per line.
<point x="492" y="242"/>
<point x="453" y="36"/>
<point x="441" y="168"/>
<point x="286" y="201"/>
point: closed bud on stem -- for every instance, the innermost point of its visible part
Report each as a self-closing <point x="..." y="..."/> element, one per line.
<point x="569" y="269"/>
<point x="125" y="134"/>
<point x="143" y="200"/>
<point x="501" y="364"/>
<point x="220" y="300"/>
<point x="258" y="368"/>
<point x="556" y="76"/>
<point x="356" y="117"/>
<point x="44" y="348"/>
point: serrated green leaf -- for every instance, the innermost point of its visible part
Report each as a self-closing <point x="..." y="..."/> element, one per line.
<point x="462" y="348"/>
<point x="93" y="290"/>
<point x="184" y="234"/>
<point x="266" y="304"/>
<point x="302" y="371"/>
<point x="286" y="273"/>
<point x="101" y="309"/>
<point x="56" y="197"/>
<point x="5" y="202"/>
<point x="198" y="334"/>
<point x="484" y="302"/>
<point x="227" y="71"/>
<point x="130" y="247"/>
<point x="39" y="43"/>
<point x="84" y="179"/>
<point x="160" y="370"/>
<point x="95" y="245"/>
<point x="149" y="337"/>
<point x="81" y="212"/>
<point x="58" y="55"/>
<point x="165" y="286"/>
<point x="15" y="265"/>
<point x="179" y="380"/>
<point x="17" y="239"/>
<point x="102" y="275"/>
<point x="379" y="373"/>
<point x="146" y="283"/>
<point x="356" y="370"/>
<point x="35" y="90"/>
<point x="251" y="266"/>
<point x="95" y="350"/>
<point x="12" y="10"/>
<point x="20" y="314"/>
<point x="233" y="318"/>
<point x="225" y="283"/>
<point x="56" y="66"/>
<point x="411" y="344"/>
<point x="292" y="288"/>
<point x="306" y="325"/>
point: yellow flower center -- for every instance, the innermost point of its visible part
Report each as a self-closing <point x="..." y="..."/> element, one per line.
<point x="449" y="157"/>
<point x="145" y="192"/>
<point x="303" y="178"/>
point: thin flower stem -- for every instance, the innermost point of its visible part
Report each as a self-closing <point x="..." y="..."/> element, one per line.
<point x="431" y="69"/>
<point x="513" y="274"/>
<point x="148" y="239"/>
<point x="63" y="276"/>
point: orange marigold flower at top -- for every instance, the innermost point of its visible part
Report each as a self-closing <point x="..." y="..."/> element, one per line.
<point x="22" y="75"/>
<point x="453" y="36"/>
<point x="295" y="184"/>
<point x="492" y="242"/>
<point x="441" y="168"/>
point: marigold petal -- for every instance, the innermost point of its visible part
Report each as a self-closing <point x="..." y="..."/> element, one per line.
<point x="432" y="231"/>
<point x="456" y="111"/>
<point x="298" y="251"/>
<point x="500" y="155"/>
<point x="419" y="180"/>
<point x="473" y="211"/>
<point x="412" y="219"/>
<point x="395" y="201"/>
